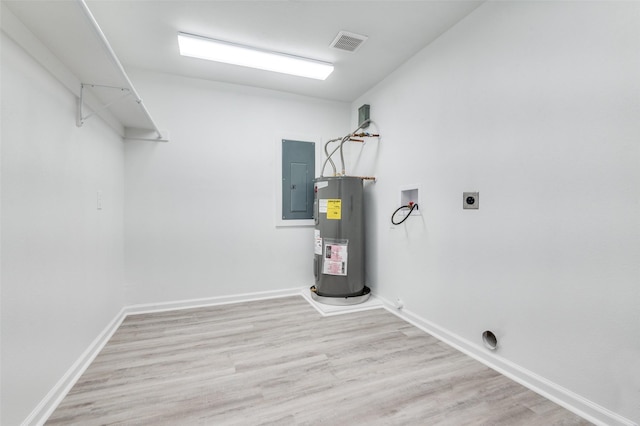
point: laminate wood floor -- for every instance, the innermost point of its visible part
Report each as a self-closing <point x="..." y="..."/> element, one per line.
<point x="279" y="362"/>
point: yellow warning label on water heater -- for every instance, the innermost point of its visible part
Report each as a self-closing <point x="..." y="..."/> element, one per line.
<point x="334" y="209"/>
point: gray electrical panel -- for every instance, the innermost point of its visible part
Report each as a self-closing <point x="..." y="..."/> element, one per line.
<point x="298" y="171"/>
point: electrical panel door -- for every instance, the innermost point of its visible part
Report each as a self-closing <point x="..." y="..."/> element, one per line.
<point x="298" y="172"/>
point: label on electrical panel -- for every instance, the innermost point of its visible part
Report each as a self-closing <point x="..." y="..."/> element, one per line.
<point x="335" y="257"/>
<point x="317" y="248"/>
<point x="334" y="209"/>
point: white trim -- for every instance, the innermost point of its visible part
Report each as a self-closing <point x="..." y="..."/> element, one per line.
<point x="210" y="301"/>
<point x="50" y="402"/>
<point x="548" y="389"/>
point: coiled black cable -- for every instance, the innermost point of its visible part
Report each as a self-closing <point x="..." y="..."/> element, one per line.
<point x="410" y="206"/>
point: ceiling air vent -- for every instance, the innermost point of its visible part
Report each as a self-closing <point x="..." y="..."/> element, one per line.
<point x="348" y="41"/>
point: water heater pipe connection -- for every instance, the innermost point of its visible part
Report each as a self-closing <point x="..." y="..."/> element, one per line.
<point x="347" y="138"/>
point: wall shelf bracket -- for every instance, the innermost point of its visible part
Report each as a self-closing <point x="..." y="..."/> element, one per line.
<point x="80" y="118"/>
<point x="130" y="134"/>
<point x="145" y="135"/>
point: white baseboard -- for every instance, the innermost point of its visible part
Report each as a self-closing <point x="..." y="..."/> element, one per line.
<point x="209" y="301"/>
<point x="43" y="410"/>
<point x="552" y="391"/>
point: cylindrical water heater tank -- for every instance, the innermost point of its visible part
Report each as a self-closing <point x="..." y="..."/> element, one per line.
<point x="339" y="241"/>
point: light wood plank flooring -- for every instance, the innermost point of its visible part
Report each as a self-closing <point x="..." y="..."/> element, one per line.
<point x="278" y="362"/>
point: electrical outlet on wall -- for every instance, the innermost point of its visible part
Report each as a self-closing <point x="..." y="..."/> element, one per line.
<point x="470" y="200"/>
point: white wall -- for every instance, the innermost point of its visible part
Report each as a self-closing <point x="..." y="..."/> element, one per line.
<point x="200" y="216"/>
<point x="537" y="106"/>
<point x="62" y="259"/>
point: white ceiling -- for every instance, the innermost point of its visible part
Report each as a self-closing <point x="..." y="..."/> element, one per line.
<point x="143" y="36"/>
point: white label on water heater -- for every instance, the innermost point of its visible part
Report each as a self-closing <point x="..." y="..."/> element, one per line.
<point x="317" y="249"/>
<point x="335" y="257"/>
<point x="321" y="185"/>
<point x="322" y="205"/>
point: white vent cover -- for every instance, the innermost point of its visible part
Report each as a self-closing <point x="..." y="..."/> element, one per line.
<point x="348" y="41"/>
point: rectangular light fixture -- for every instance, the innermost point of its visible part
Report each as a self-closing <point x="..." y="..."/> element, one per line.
<point x="231" y="53"/>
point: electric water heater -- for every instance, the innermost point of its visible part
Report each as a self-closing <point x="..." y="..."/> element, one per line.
<point x="339" y="241"/>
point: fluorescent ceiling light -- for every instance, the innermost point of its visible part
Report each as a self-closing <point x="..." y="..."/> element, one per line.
<point x="230" y="53"/>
